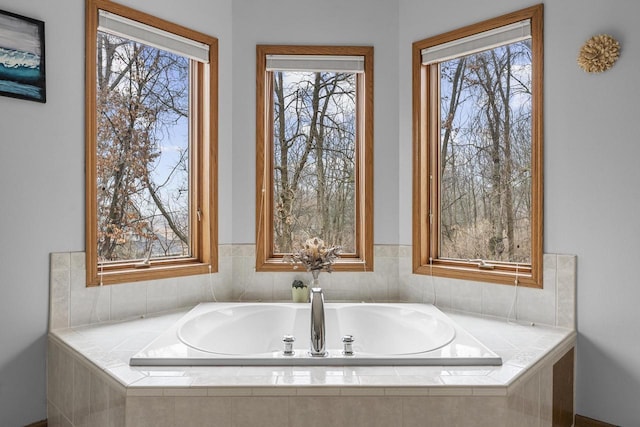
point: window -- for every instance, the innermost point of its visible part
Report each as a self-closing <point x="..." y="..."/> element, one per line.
<point x="151" y="139"/>
<point x="314" y="145"/>
<point x="477" y="180"/>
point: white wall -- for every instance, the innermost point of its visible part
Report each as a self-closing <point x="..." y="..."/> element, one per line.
<point x="590" y="160"/>
<point x="42" y="183"/>
<point x="353" y="22"/>
<point x="591" y="178"/>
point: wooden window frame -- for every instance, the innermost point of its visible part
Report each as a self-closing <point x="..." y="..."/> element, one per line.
<point x="426" y="105"/>
<point x="203" y="159"/>
<point x="362" y="259"/>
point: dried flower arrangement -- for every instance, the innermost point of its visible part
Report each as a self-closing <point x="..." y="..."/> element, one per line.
<point x="599" y="53"/>
<point x="314" y="256"/>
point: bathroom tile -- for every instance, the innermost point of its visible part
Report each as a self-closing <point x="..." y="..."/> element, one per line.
<point x="537" y="305"/>
<point x="370" y="370"/>
<point x="393" y="290"/>
<point x="317" y="411"/>
<point x="60" y="261"/>
<point x="454" y="412"/>
<point x="429" y="411"/>
<point x="387" y="266"/>
<point x="321" y="391"/>
<point x="281" y="289"/>
<point x="388" y="251"/>
<point x="362" y="391"/>
<point x="299" y="380"/>
<point x="550" y="261"/>
<point x="145" y="392"/>
<point x="215" y="381"/>
<point x="151" y="411"/>
<point x="64" y="422"/>
<point x="451" y="391"/>
<point x="222" y="289"/>
<point x="406" y="391"/>
<point x="59" y="295"/>
<point x="468" y="380"/>
<point x="466" y="296"/>
<point x="65" y="366"/>
<point x="192" y="290"/>
<point x="524" y="358"/>
<point x="373" y="411"/>
<point x="256" y="286"/>
<point x="260" y="411"/>
<point x="53" y="415"/>
<point x="515" y="404"/>
<point x="81" y="395"/>
<point x="229" y="391"/>
<point x="78" y="279"/>
<point x="162" y="295"/>
<point x="489" y="391"/>
<point x="225" y="268"/>
<point x="99" y="398"/>
<point x="442" y="291"/>
<point x="497" y="300"/>
<point x="89" y="305"/>
<point x="531" y="402"/>
<point x="128" y="300"/>
<point x="566" y="291"/>
<point x="546" y="395"/>
<point x="405" y="251"/>
<point x="203" y="411"/>
<point x="246" y="250"/>
<point x="393" y="381"/>
<point x="125" y="374"/>
<point x="274" y="391"/>
<point x="506" y="373"/>
<point x="373" y="287"/>
<point x="207" y="371"/>
<point x="487" y="411"/>
<point x="163" y="381"/>
<point x="225" y="250"/>
<point x="78" y="261"/>
<point x="53" y="374"/>
<point x="185" y="391"/>
<point x="417" y="289"/>
<point x="117" y="402"/>
<point x="466" y="371"/>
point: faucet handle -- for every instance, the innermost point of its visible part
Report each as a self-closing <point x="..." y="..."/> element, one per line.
<point x="288" y="345"/>
<point x="347" y="342"/>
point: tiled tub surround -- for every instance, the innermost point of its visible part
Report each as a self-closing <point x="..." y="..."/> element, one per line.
<point x="73" y="304"/>
<point x="91" y="384"/>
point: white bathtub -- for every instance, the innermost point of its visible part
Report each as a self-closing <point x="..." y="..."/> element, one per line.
<point x="252" y="334"/>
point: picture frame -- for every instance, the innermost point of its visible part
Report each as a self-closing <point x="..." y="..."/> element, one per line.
<point x="22" y="57"/>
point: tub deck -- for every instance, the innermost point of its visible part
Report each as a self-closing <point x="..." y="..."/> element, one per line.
<point x="99" y="354"/>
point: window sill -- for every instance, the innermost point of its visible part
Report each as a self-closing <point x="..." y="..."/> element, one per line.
<point x="343" y="264"/>
<point x="127" y="273"/>
<point x="474" y="273"/>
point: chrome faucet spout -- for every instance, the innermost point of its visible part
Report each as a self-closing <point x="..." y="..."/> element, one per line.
<point x="317" y="323"/>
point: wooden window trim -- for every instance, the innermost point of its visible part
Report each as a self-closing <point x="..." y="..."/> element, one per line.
<point x="426" y="111"/>
<point x="362" y="260"/>
<point x="204" y="125"/>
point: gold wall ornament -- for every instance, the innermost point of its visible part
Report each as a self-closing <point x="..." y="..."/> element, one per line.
<point x="599" y="53"/>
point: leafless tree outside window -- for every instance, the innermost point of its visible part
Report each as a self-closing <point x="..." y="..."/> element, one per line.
<point x="485" y="155"/>
<point x="314" y="116"/>
<point x="142" y="151"/>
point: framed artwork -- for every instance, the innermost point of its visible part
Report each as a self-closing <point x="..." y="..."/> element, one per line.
<point x="22" y="72"/>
